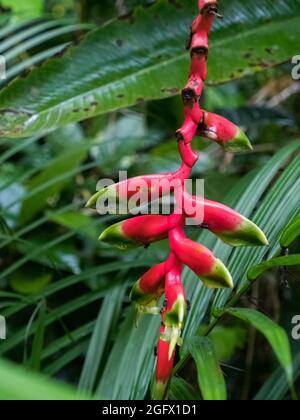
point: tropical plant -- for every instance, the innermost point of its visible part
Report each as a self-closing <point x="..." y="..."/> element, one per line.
<point x="65" y="122"/>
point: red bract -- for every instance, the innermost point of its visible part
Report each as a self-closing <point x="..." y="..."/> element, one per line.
<point x="227" y="224"/>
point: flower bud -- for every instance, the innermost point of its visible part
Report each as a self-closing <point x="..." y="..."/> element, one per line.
<point x="188" y="156"/>
<point x="150" y="287"/>
<point x="230" y="226"/>
<point x="201" y="261"/>
<point x="135" y="232"/>
<point x="224" y="132"/>
<point x="164" y="368"/>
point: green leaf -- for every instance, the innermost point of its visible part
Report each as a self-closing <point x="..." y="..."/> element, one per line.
<point x="38" y="341"/>
<point x="17" y="383"/>
<point x="275" y="335"/>
<point x="210" y="376"/>
<point x="259" y="269"/>
<point x="129" y="61"/>
<point x="76" y="279"/>
<point x="291" y="233"/>
<point x="181" y="390"/>
<point x="52" y="317"/>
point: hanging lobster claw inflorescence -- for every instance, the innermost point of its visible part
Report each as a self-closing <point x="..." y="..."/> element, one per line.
<point x="231" y="227"/>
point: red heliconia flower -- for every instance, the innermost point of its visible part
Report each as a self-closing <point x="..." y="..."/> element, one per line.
<point x="175" y="303"/>
<point x="201" y="260"/>
<point x="138" y="231"/>
<point x="227" y="224"/>
<point x="149" y="288"/>
<point x="164" y="368"/>
<point x="224" y="132"/>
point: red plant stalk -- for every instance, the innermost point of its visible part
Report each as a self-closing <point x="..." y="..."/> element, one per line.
<point x="227" y="224"/>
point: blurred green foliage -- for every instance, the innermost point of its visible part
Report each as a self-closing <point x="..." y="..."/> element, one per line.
<point x="64" y="294"/>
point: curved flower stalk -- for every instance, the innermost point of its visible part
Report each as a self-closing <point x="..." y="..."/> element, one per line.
<point x="231" y="227"/>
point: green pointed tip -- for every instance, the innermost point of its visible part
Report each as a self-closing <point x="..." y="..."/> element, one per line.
<point x="247" y="234"/>
<point x="253" y="234"/>
<point x="115" y="236"/>
<point x="158" y="390"/>
<point x="240" y="143"/>
<point x="219" y="278"/>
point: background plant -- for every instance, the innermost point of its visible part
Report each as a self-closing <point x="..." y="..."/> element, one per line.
<point x="63" y="293"/>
